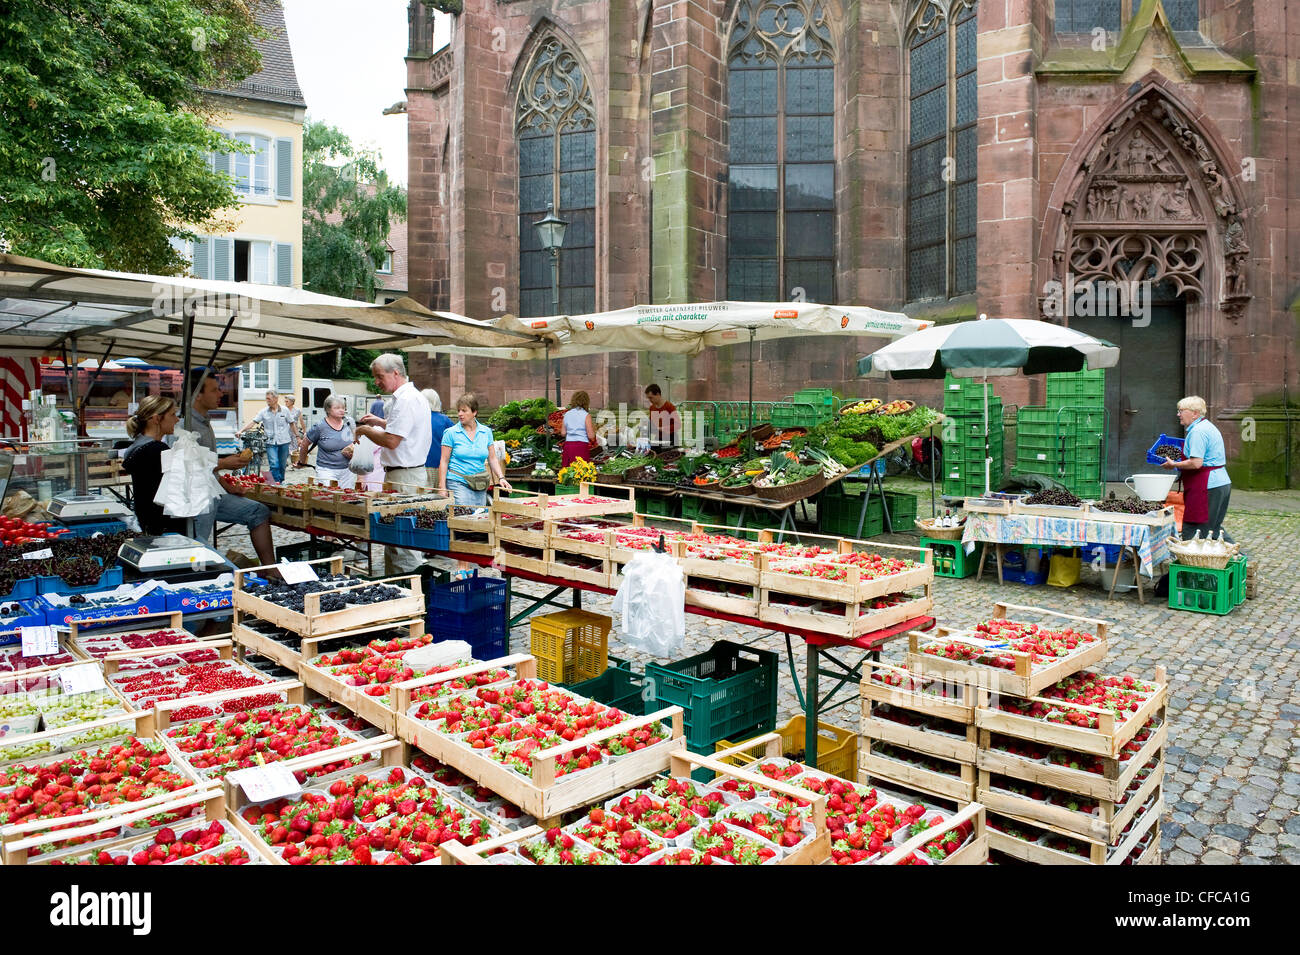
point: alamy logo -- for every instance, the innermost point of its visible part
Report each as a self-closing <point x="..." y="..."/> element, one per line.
<point x="76" y="908"/>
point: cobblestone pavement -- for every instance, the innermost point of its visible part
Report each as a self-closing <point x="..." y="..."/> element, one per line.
<point x="1232" y="777"/>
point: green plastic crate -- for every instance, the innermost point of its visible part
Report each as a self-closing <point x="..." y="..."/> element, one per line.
<point x="846" y="524"/>
<point x="658" y="505"/>
<point x="702" y="511"/>
<point x="1077" y="388"/>
<point x="1202" y="590"/>
<point x="619" y="686"/>
<point x="902" y="509"/>
<point x="725" y="692"/>
<point x="789" y="414"/>
<point x="950" y="560"/>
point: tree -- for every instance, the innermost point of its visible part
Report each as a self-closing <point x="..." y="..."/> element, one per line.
<point x="104" y="136"/>
<point x="348" y="204"/>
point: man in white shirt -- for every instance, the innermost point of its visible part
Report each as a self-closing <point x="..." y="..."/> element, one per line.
<point x="404" y="440"/>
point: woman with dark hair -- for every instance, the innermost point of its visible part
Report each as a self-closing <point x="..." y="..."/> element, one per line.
<point x="153" y="420"/>
<point x="579" y="430"/>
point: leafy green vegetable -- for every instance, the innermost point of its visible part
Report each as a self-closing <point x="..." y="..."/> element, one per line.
<point x="849" y="453"/>
<point x="521" y="414"/>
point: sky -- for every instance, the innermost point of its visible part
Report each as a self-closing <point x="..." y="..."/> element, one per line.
<point x="349" y="60"/>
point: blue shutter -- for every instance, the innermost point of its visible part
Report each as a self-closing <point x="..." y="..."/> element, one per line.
<point x="202" y="259"/>
<point x="284" y="169"/>
<point x="284" y="263"/>
<point x="223" y="259"/>
<point x="283" y="376"/>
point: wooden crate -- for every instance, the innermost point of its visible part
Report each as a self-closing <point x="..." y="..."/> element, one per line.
<point x="531" y="560"/>
<point x="975" y="852"/>
<point x="1026" y="680"/>
<point x="1098" y="854"/>
<point x="1156" y="519"/>
<point x="117" y="626"/>
<point x="543" y="795"/>
<point x="312" y="622"/>
<point x="162" y="712"/>
<point x="854" y="588"/>
<point x="1049" y="510"/>
<point x="957" y="702"/>
<point x="1110" y="784"/>
<point x="596" y="576"/>
<point x="850" y="624"/>
<point x="988" y="505"/>
<point x="260" y="643"/>
<point x="723" y="603"/>
<point x="1105" y="827"/>
<point x="874" y="765"/>
<point x="538" y="506"/>
<point x="1106" y="740"/>
<point x="479" y="540"/>
<point x="959" y="749"/>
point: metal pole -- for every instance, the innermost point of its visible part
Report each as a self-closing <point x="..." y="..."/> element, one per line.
<point x="546" y="378"/>
<point x="988" y="461"/>
<point x="74" y="393"/>
<point x="751" y="390"/>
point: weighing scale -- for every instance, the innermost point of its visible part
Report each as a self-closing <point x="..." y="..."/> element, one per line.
<point x="70" y="508"/>
<point x="168" y="555"/>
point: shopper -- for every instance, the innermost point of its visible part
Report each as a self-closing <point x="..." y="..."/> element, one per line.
<point x="469" y="462"/>
<point x="665" y="423"/>
<point x="1206" y="485"/>
<point x="153" y="420"/>
<point x="404" y="438"/>
<point x="579" y="430"/>
<point x="294" y="417"/>
<point x="333" y="437"/>
<point x="232" y="507"/>
<point x="439" y="423"/>
<point x="373" y="480"/>
<point x="275" y="422"/>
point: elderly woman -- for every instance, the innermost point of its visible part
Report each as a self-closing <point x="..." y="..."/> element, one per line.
<point x="275" y="421"/>
<point x="332" y="436"/>
<point x="1206" y="485"/>
<point x="440" y="423"/>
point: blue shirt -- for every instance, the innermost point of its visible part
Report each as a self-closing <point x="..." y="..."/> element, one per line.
<point x="468" y="456"/>
<point x="440" y="424"/>
<point x="1205" y="442"/>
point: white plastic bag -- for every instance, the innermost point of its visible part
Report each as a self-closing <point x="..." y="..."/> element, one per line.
<point x="188" y="486"/>
<point x="437" y="654"/>
<point x="363" y="457"/>
<point x="652" y="601"/>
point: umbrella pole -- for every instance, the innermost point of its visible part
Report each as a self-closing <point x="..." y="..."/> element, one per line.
<point x="751" y="391"/>
<point x="988" y="461"/>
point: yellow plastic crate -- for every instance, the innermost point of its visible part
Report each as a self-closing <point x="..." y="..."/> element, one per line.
<point x="837" y="749"/>
<point x="571" y="646"/>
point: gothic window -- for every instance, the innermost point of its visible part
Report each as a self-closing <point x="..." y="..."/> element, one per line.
<point x="555" y="122"/>
<point x="941" y="150"/>
<point x="781" y="183"/>
<point x="1183" y="14"/>
<point x="1084" y="16"/>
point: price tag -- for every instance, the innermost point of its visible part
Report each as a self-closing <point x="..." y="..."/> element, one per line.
<point x="264" y="783"/>
<point x="83" y="678"/>
<point x="296" y="572"/>
<point x="38" y="554"/>
<point x="39" y="641"/>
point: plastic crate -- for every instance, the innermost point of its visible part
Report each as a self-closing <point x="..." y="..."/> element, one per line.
<point x="437" y="537"/>
<point x="1076" y="388"/>
<point x="619" y="686"/>
<point x="798" y="414"/>
<point x="1153" y="458"/>
<point x="971" y="404"/>
<point x="950" y="559"/>
<point x="701" y="511"/>
<point x="902" y="509"/>
<point x="25" y="613"/>
<point x="1203" y="590"/>
<point x="1015" y="570"/>
<point x="727" y="691"/>
<point x="571" y="645"/>
<point x="839" y="517"/>
<point x="91" y="528"/>
<point x="657" y="505"/>
<point x="25" y="588"/>
<point x="837" y="749"/>
<point x="470" y="595"/>
<point x="381" y="533"/>
<point x="486" y="635"/>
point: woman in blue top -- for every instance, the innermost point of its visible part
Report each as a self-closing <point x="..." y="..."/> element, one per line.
<point x="333" y="437"/>
<point x="440" y="423"/>
<point x="1206" y="485"/>
<point x="467" y="451"/>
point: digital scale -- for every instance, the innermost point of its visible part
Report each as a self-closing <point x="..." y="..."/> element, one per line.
<point x="70" y="508"/>
<point x="168" y="554"/>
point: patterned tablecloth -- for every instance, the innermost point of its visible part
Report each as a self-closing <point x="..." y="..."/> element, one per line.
<point x="1152" y="543"/>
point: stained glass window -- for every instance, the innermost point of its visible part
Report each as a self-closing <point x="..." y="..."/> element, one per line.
<point x="781" y="129"/>
<point x="556" y="127"/>
<point x="942" y="145"/>
<point x="1084" y="16"/>
<point x="1183" y="14"/>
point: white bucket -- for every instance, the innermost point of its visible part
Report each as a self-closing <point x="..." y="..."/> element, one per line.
<point x="1151" y="487"/>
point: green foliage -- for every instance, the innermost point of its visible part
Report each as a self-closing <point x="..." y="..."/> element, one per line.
<point x="851" y="453"/>
<point x="519" y="414"/>
<point x="104" y="136"/>
<point x="350" y="364"/>
<point x="348" y="205"/>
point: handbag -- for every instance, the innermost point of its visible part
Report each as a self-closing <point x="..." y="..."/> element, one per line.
<point x="478" y="482"/>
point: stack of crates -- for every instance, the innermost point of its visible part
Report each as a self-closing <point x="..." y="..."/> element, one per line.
<point x="840" y="507"/>
<point x="804" y="409"/>
<point x="963" y="451"/>
<point x="1066" y="444"/>
<point x="474" y="610"/>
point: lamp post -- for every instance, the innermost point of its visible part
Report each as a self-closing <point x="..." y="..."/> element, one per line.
<point x="550" y="231"/>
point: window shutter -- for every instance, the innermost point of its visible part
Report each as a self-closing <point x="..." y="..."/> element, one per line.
<point x="246" y="377"/>
<point x="284" y="169"/>
<point x="284" y="263"/>
<point x="202" y="259"/>
<point x="284" y="376"/>
<point x="223" y="259"/>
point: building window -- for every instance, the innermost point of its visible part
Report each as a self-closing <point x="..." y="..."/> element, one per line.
<point x="1084" y="16"/>
<point x="781" y="128"/>
<point x="260" y="376"/>
<point x="387" y="267"/>
<point x="253" y="172"/>
<point x="1184" y="15"/>
<point x="555" y="122"/>
<point x="941" y="150"/>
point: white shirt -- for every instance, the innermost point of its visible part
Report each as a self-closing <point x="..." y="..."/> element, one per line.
<point x="409" y="419"/>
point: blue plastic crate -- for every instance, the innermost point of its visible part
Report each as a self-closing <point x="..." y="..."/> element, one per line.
<point x="107" y="580"/>
<point x="91" y="528"/>
<point x="24" y="589"/>
<point x="198" y="601"/>
<point x="1108" y="552"/>
<point x="472" y="594"/>
<point x="153" y="602"/>
<point x="30" y="613"/>
<point x="381" y="533"/>
<point x="486" y="635"/>
<point x="1152" y="458"/>
<point x="437" y="537"/>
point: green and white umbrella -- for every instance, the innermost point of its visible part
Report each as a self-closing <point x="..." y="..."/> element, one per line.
<point x="990" y="347"/>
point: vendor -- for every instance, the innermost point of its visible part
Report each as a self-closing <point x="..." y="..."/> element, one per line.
<point x="153" y="420"/>
<point x="579" y="430"/>
<point x="1206" y="485"/>
<point x="665" y="423"/>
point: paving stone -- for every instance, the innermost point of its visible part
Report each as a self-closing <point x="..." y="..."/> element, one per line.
<point x="1198" y="830"/>
<point x="1229" y="831"/>
<point x="1179" y="857"/>
<point x="1215" y="857"/>
<point x="1231" y="846"/>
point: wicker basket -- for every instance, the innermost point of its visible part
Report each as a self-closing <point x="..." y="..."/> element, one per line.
<point x="740" y="490"/>
<point x="603" y="478"/>
<point x="761" y="432"/>
<point x="669" y="455"/>
<point x="792" y="492"/>
<point x="938" y="533"/>
<point x="1189" y="558"/>
<point x="910" y="406"/>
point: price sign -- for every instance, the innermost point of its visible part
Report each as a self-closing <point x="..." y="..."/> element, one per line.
<point x="296" y="572"/>
<point x="39" y="641"/>
<point x="83" y="678"/>
<point x="38" y="554"/>
<point x="264" y="783"/>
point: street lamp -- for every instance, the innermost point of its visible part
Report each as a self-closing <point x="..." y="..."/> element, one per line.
<point x="550" y="231"/>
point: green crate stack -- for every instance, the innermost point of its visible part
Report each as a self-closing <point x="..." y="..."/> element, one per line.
<point x="1077" y="389"/>
<point x="702" y="511"/>
<point x="950" y="559"/>
<point x="658" y="505"/>
<point x="902" y="510"/>
<point x="798" y="414"/>
<point x="1203" y="590"/>
<point x="1065" y="444"/>
<point x="838" y="516"/>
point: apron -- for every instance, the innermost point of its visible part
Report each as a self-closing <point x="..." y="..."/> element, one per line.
<point x="1196" y="494"/>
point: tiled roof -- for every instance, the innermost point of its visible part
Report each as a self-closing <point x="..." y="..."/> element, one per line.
<point x="276" y="81"/>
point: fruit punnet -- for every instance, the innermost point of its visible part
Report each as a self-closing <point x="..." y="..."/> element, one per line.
<point x="293" y="596"/>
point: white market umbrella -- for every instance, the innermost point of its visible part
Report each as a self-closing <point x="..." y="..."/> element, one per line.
<point x="990" y="348"/>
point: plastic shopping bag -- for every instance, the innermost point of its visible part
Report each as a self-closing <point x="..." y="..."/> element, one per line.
<point x="363" y="457"/>
<point x="652" y="602"/>
<point x="188" y="486"/>
<point x="1064" y="570"/>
